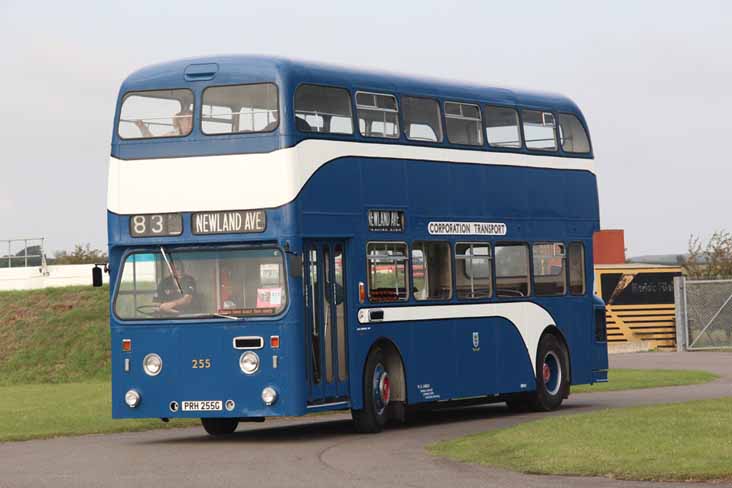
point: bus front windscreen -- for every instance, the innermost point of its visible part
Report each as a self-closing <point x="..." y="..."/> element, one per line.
<point x="165" y="284"/>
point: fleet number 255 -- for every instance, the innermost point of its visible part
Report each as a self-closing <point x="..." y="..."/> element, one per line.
<point x="201" y="363"/>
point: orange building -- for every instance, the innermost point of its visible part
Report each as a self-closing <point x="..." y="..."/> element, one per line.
<point x="608" y="246"/>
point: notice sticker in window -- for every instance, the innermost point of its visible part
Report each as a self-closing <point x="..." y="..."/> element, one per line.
<point x="269" y="297"/>
<point x="269" y="274"/>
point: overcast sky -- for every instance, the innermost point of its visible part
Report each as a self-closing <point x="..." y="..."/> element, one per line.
<point x="654" y="80"/>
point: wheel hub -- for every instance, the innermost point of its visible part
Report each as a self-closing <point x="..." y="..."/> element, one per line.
<point x="381" y="388"/>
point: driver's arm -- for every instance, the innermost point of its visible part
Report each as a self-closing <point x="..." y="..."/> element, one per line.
<point x="170" y="306"/>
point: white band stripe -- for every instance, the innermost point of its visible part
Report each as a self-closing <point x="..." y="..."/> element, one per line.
<point x="254" y="181"/>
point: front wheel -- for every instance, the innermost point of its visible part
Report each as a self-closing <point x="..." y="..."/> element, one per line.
<point x="376" y="395"/>
<point x="552" y="375"/>
<point x="221" y="426"/>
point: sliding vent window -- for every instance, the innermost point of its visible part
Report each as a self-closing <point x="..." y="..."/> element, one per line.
<point x="572" y="134"/>
<point x="502" y="127"/>
<point x="421" y="119"/>
<point x="159" y="113"/>
<point x="549" y="275"/>
<point x="463" y="124"/>
<point x="577" y="268"/>
<point x="512" y="270"/>
<point x="240" y="109"/>
<point x="431" y="273"/>
<point x="539" y="130"/>
<point x="378" y="115"/>
<point x="386" y="264"/>
<point x="473" y="270"/>
<point x="323" y="109"/>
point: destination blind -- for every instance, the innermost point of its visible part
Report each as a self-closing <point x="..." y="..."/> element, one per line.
<point x="230" y="222"/>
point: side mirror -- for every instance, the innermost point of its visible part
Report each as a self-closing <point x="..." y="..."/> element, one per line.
<point x="295" y="265"/>
<point x="97" y="279"/>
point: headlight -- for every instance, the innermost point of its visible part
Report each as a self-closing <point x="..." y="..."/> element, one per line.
<point x="132" y="398"/>
<point x="249" y="362"/>
<point x="269" y="396"/>
<point x="152" y="364"/>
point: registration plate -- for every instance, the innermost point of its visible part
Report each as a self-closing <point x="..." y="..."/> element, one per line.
<point x="202" y="406"/>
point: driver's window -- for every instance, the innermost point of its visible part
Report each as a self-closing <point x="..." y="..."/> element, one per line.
<point x="512" y="270"/>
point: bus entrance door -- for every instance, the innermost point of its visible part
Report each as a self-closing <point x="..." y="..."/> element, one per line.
<point x="325" y="312"/>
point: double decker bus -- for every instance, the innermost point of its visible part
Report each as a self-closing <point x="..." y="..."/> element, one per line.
<point x="288" y="237"/>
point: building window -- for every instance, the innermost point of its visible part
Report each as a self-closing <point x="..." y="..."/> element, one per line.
<point x="239" y="108"/>
<point x="539" y="130"/>
<point x="473" y="270"/>
<point x="386" y="264"/>
<point x="378" y="115"/>
<point x="549" y="275"/>
<point x="512" y="270"/>
<point x="572" y="135"/>
<point x="431" y="272"/>
<point x="502" y="127"/>
<point x="463" y="124"/>
<point x="323" y="109"/>
<point x="421" y="119"/>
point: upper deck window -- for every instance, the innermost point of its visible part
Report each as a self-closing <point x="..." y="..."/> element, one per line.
<point x="323" y="109"/>
<point x="239" y="109"/>
<point x="572" y="134"/>
<point x="463" y="124"/>
<point x="539" y="130"/>
<point x="378" y="115"/>
<point x="421" y="119"/>
<point x="502" y="127"/>
<point x="158" y="113"/>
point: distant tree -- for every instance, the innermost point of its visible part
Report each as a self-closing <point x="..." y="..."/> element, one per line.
<point x="711" y="260"/>
<point x="82" y="254"/>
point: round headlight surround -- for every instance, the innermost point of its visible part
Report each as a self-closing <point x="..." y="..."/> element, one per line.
<point x="132" y="398"/>
<point x="269" y="396"/>
<point x="152" y="364"/>
<point x="249" y="362"/>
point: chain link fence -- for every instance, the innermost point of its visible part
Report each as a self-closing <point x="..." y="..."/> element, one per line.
<point x="704" y="313"/>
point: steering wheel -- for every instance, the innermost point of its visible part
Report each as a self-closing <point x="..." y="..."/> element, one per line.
<point x="149" y="310"/>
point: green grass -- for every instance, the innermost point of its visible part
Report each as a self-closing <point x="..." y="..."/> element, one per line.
<point x="631" y="379"/>
<point x="687" y="441"/>
<point x="55" y="335"/>
<point x="41" y="411"/>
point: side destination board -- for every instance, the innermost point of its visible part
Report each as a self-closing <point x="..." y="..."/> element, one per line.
<point x="229" y="222"/>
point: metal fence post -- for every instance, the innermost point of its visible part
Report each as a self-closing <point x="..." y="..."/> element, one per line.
<point x="680" y="302"/>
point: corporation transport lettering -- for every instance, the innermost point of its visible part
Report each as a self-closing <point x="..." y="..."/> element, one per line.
<point x="467" y="228"/>
<point x="236" y="222"/>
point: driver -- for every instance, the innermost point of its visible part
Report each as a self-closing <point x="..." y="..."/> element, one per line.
<point x="173" y="300"/>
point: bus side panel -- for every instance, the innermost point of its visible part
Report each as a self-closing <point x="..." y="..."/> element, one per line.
<point x="513" y="363"/>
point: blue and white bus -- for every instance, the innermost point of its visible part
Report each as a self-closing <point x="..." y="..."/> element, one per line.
<point x="288" y="237"/>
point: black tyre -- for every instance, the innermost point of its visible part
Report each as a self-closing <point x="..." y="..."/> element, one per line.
<point x="217" y="427"/>
<point x="552" y="375"/>
<point x="376" y="395"/>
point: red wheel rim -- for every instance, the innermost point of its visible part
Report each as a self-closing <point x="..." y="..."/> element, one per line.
<point x="386" y="390"/>
<point x="547" y="372"/>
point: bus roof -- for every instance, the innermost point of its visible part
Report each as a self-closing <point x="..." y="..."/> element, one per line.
<point x="233" y="69"/>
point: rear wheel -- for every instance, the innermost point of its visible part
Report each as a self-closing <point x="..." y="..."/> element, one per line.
<point x="376" y="395"/>
<point x="221" y="426"/>
<point x="552" y="375"/>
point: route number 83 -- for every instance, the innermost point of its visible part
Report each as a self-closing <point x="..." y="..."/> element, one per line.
<point x="156" y="225"/>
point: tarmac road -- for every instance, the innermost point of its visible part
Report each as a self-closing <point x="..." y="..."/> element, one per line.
<point x="323" y="451"/>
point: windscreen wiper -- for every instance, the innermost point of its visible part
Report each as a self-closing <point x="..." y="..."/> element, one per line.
<point x="170" y="269"/>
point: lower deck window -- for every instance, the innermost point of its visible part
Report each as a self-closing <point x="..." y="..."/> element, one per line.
<point x="201" y="284"/>
<point x="431" y="271"/>
<point x="549" y="274"/>
<point x="386" y="264"/>
<point x="473" y="270"/>
<point x="512" y="270"/>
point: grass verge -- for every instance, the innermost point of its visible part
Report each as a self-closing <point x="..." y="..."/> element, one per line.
<point x="684" y="441"/>
<point x="631" y="379"/>
<point x="42" y="411"/>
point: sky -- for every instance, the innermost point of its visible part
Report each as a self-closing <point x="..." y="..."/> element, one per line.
<point x="653" y="79"/>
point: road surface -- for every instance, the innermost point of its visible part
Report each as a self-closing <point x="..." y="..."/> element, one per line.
<point x="323" y="451"/>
